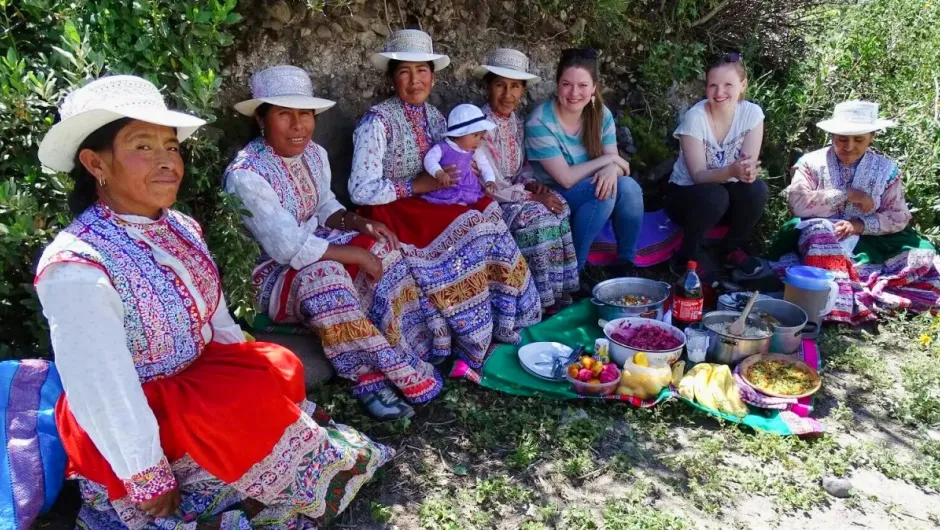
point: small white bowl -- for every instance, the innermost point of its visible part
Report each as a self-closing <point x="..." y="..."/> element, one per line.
<point x="621" y="353"/>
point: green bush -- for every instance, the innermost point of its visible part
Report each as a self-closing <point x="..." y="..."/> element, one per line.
<point x="49" y="48"/>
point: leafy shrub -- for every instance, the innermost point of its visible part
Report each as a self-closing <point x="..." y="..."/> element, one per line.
<point x="52" y="47"/>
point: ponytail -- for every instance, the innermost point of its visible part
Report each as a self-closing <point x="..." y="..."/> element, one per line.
<point x="593" y="124"/>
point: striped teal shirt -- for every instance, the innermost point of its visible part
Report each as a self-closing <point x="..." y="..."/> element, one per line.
<point x="545" y="139"/>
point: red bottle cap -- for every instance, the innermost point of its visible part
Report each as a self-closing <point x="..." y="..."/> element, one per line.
<point x="692" y="265"/>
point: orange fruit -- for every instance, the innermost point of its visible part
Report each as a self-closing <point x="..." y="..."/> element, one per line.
<point x="573" y="370"/>
<point x="595" y="381"/>
<point x="586" y="362"/>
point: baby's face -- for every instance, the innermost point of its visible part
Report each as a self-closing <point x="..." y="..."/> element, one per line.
<point x="469" y="142"/>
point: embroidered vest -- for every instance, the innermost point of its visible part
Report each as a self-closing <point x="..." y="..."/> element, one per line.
<point x="410" y="133"/>
<point x="505" y="143"/>
<point x="872" y="174"/>
<point x="161" y="318"/>
<point x="298" y="190"/>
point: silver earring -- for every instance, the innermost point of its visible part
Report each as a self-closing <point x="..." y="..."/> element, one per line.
<point x="262" y="132"/>
<point x="592" y="100"/>
<point x="102" y="182"/>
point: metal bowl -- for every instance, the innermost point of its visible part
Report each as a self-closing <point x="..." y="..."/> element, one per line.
<point x="728" y="349"/>
<point x="622" y="353"/>
<point x="607" y="295"/>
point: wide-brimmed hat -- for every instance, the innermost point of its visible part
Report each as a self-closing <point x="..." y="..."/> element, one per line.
<point x="508" y="63"/>
<point x="467" y="119"/>
<point x="855" y="117"/>
<point x="284" y="86"/>
<point x="410" y="46"/>
<point x="101" y="102"/>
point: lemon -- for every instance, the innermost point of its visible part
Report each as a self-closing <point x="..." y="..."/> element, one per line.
<point x="640" y="360"/>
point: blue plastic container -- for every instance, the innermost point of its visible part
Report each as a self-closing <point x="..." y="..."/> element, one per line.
<point x="809" y="278"/>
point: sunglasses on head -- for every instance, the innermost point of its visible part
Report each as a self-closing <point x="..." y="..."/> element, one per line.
<point x="582" y="53"/>
<point x="733" y="57"/>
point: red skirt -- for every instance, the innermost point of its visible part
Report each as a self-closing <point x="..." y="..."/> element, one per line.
<point x="227" y="410"/>
<point x="418" y="222"/>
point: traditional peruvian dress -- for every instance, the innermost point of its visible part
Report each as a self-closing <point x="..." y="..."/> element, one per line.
<point x="544" y="237"/>
<point x="163" y="392"/>
<point x="463" y="257"/>
<point x="375" y="333"/>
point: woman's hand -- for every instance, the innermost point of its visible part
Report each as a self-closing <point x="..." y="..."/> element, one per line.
<point x="379" y="231"/>
<point x="862" y="199"/>
<point x="744" y="168"/>
<point x="536" y="188"/>
<point x="605" y="182"/>
<point x="425" y="183"/>
<point x="622" y="163"/>
<point x="845" y="229"/>
<point x="490" y="188"/>
<point x="162" y="506"/>
<point x="550" y="201"/>
<point x="370" y="263"/>
<point x="443" y="177"/>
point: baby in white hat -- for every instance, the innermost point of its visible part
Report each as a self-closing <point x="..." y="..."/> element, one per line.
<point x="466" y="126"/>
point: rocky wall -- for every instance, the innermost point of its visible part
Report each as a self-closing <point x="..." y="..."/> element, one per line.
<point x="334" y="46"/>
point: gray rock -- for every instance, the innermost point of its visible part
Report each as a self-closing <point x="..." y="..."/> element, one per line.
<point x="279" y="11"/>
<point x="837" y="487"/>
<point x="305" y="32"/>
<point x="336" y="28"/>
<point x="324" y="33"/>
<point x="358" y="23"/>
<point x="380" y="29"/>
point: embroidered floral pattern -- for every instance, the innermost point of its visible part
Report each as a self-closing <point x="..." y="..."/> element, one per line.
<point x="373" y="333"/>
<point x="820" y="183"/>
<point x="151" y="482"/>
<point x="544" y="238"/>
<point x="162" y="319"/>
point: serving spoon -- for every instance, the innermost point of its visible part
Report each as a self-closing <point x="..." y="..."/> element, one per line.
<point x="737" y="327"/>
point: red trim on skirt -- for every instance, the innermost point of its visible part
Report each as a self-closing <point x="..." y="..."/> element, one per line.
<point x="416" y="221"/>
<point x="227" y="410"/>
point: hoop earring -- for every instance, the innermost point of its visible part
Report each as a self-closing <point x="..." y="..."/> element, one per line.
<point x="102" y="182"/>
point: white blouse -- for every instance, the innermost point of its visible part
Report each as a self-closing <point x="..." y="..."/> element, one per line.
<point x="86" y="323"/>
<point x="367" y="183"/>
<point x="282" y="237"/>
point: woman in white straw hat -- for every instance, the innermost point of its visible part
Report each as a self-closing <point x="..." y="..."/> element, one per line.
<point x="169" y="417"/>
<point x="336" y="272"/>
<point x="852" y="219"/>
<point x="537" y="216"/>
<point x="463" y="257"/>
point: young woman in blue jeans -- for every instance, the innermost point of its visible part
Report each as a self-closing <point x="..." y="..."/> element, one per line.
<point x="572" y="145"/>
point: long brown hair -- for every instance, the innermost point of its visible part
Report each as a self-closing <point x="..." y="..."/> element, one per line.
<point x="593" y="120"/>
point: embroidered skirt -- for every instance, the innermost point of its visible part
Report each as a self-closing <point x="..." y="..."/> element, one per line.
<point x="374" y="333"/>
<point x="544" y="239"/>
<point x="885" y="273"/>
<point x="466" y="261"/>
<point x="236" y="427"/>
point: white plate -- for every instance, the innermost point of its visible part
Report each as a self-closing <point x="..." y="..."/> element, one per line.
<point x="543" y="353"/>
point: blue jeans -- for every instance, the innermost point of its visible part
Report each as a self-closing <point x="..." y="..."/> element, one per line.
<point x="588" y="216"/>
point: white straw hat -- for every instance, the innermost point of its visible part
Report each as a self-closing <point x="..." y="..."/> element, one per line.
<point x="467" y="119"/>
<point x="411" y="46"/>
<point x="87" y="109"/>
<point x="509" y="63"/>
<point x="284" y="86"/>
<point x="855" y="117"/>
